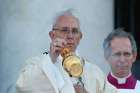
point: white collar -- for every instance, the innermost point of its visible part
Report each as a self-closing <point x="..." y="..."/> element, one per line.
<point x="121" y="80"/>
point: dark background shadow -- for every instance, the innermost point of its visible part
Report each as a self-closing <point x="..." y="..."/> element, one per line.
<point x="127" y="15"/>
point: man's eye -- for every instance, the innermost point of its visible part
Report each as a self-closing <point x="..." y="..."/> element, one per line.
<point x="64" y="30"/>
<point x="127" y="54"/>
<point x="75" y="30"/>
<point x="117" y="54"/>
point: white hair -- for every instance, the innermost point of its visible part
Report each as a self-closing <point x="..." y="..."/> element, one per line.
<point x="68" y="12"/>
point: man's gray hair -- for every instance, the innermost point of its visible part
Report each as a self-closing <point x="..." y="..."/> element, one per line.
<point x="68" y="12"/>
<point x="119" y="33"/>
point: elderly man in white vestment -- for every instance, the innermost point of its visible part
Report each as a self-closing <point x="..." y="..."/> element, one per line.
<point x="120" y="51"/>
<point x="46" y="74"/>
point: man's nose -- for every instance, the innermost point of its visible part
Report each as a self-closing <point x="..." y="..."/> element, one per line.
<point x="70" y="34"/>
<point x="122" y="58"/>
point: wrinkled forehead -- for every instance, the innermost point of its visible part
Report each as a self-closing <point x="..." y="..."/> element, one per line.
<point x="121" y="44"/>
<point x="67" y="21"/>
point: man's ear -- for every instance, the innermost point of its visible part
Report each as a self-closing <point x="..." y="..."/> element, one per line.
<point x="106" y="56"/>
<point x="81" y="35"/>
<point x="52" y="34"/>
<point x="134" y="57"/>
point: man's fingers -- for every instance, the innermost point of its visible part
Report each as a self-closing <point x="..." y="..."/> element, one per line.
<point x="58" y="43"/>
<point x="80" y="89"/>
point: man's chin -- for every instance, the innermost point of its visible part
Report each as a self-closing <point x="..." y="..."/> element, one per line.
<point x="121" y="74"/>
<point x="70" y="46"/>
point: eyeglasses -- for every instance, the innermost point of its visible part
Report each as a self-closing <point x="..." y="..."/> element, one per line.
<point x="126" y="55"/>
<point x="67" y="30"/>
